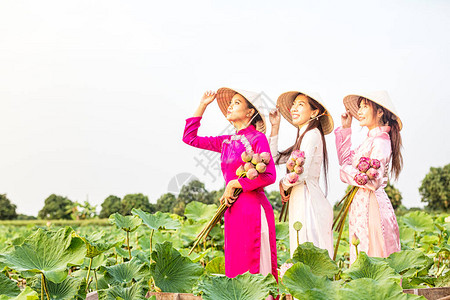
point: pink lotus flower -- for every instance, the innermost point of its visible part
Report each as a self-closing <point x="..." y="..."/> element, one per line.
<point x="284" y="267"/>
<point x="361" y="178"/>
<point x="240" y="171"/>
<point x="265" y="156"/>
<point x="292" y="177"/>
<point x="248" y="166"/>
<point x="364" y="158"/>
<point x="261" y="167"/>
<point x="252" y="174"/>
<point x="290" y="165"/>
<point x="298" y="169"/>
<point x="246" y="156"/>
<point x="372" y="173"/>
<point x="355" y="240"/>
<point x="300" y="161"/>
<point x="256" y="159"/>
<point x="363" y="166"/>
<point x="375" y="163"/>
<point x="297" y="154"/>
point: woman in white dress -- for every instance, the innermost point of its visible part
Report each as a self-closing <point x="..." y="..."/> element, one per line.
<point x="307" y="203"/>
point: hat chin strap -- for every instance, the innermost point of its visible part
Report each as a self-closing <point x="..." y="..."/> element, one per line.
<point x="248" y="124"/>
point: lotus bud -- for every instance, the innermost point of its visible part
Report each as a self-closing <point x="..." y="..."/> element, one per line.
<point x="364" y="158"/>
<point x="300" y="161"/>
<point x="256" y="159"/>
<point x="246" y="156"/>
<point x="248" y="166"/>
<point x="265" y="156"/>
<point x="363" y="166"/>
<point x="355" y="240"/>
<point x="298" y="170"/>
<point x="292" y="177"/>
<point x="290" y="165"/>
<point x="297" y="154"/>
<point x="261" y="167"/>
<point x="361" y="178"/>
<point x="372" y="173"/>
<point x="375" y="163"/>
<point x="240" y="171"/>
<point x="252" y="174"/>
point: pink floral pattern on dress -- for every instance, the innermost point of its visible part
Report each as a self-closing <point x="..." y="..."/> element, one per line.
<point x="377" y="228"/>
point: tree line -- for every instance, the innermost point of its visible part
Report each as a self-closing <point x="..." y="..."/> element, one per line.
<point x="434" y="191"/>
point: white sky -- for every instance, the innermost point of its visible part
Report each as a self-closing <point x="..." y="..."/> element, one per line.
<point x="94" y="94"/>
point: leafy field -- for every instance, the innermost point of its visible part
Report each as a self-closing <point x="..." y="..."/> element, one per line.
<point x="127" y="256"/>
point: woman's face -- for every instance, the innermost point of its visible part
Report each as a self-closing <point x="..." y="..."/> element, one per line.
<point x="366" y="115"/>
<point x="238" y="109"/>
<point x="301" y="111"/>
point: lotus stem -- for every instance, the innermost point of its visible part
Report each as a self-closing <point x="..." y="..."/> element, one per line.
<point x="88" y="273"/>
<point x="45" y="287"/>
<point x="339" y="222"/>
<point x="128" y="244"/>
<point x="151" y="241"/>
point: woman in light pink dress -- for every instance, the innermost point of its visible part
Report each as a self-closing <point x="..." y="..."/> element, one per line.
<point x="371" y="216"/>
<point x="250" y="241"/>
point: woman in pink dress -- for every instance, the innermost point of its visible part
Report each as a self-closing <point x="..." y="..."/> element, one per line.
<point x="250" y="241"/>
<point x="371" y="216"/>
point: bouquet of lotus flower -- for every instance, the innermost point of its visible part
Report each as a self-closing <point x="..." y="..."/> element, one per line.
<point x="368" y="170"/>
<point x="295" y="166"/>
<point x="253" y="165"/>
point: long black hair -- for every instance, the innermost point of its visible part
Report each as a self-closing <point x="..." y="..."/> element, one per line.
<point x="313" y="123"/>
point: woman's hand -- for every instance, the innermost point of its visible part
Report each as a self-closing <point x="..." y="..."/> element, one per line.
<point x="228" y="195"/>
<point x="274" y="117"/>
<point x="285" y="196"/>
<point x="346" y="119"/>
<point x="207" y="98"/>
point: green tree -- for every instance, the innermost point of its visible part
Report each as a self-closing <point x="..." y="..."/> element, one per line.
<point x="435" y="188"/>
<point x="195" y="191"/>
<point x="56" y="208"/>
<point x="83" y="211"/>
<point x="166" y="203"/>
<point x="275" y="199"/>
<point x="7" y="209"/>
<point x="138" y="201"/>
<point x="109" y="206"/>
<point x="394" y="195"/>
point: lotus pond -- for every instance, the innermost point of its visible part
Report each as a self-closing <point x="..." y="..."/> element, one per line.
<point x="132" y="255"/>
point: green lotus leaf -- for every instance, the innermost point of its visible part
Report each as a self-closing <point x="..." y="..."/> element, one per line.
<point x="429" y="240"/>
<point x="422" y="281"/>
<point x="47" y="252"/>
<point x="157" y="220"/>
<point x="317" y="259"/>
<point x="405" y="260"/>
<point x="367" y="288"/>
<point x="194" y="256"/>
<point x="69" y="288"/>
<point x="406" y="235"/>
<point x="419" y="221"/>
<point x="126" y="272"/>
<point x="27" y="294"/>
<point x="371" y="267"/>
<point x="282" y="230"/>
<point x="134" y="292"/>
<point x="443" y="281"/>
<point x="173" y="272"/>
<point x="200" y="212"/>
<point x="8" y="287"/>
<point x="216" y="266"/>
<point x="302" y="283"/>
<point x="126" y="223"/>
<point x="95" y="247"/>
<point x="243" y="287"/>
<point x="189" y="232"/>
<point x="159" y="238"/>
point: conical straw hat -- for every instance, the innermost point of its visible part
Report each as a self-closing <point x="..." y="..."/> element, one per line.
<point x="224" y="96"/>
<point x="379" y="97"/>
<point x="285" y="101"/>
